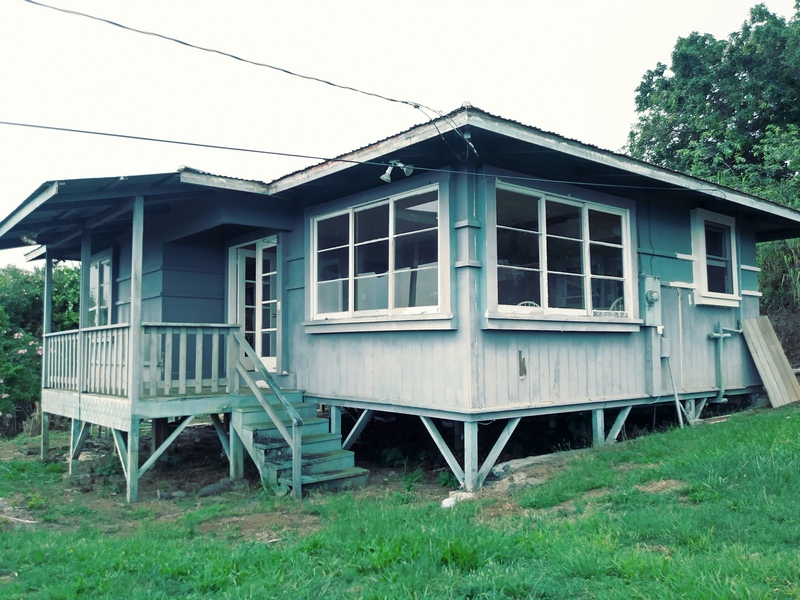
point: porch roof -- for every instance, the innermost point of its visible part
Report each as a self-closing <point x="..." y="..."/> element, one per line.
<point x="56" y="213"/>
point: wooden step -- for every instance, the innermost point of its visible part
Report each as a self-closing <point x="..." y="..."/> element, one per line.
<point x="252" y="413"/>
<point x="314" y="464"/>
<point x="318" y="443"/>
<point x="332" y="480"/>
<point x="265" y="432"/>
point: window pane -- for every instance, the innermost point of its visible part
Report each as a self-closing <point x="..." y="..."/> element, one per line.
<point x="416" y="288"/>
<point x="268" y="315"/>
<point x="518" y="287"/>
<point x="249" y="293"/>
<point x="718" y="275"/>
<point x="268" y="343"/>
<point x="517" y="248"/>
<point x="333" y="232"/>
<point x="372" y="258"/>
<point x="718" y="240"/>
<point x="604" y="227"/>
<point x="416" y="249"/>
<point x="332" y="296"/>
<point x="565" y="291"/>
<point x="268" y="288"/>
<point x="372" y="293"/>
<point x="249" y="318"/>
<point x="416" y="212"/>
<point x="333" y="264"/>
<point x="563" y="220"/>
<point x="249" y="268"/>
<point x="372" y="223"/>
<point x="606" y="260"/>
<point x="608" y="294"/>
<point x="517" y="210"/>
<point x="564" y="256"/>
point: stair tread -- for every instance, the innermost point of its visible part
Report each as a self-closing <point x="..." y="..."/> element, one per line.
<point x="314" y="437"/>
<point x="270" y="425"/>
<point x="328" y="476"/>
<point x="317" y="457"/>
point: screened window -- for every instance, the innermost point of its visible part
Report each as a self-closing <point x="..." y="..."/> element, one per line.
<point x="383" y="257"/>
<point x="561" y="255"/>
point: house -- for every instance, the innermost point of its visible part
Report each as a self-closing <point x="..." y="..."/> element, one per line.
<point x="469" y="269"/>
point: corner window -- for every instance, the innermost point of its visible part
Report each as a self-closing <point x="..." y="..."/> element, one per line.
<point x="382" y="258"/>
<point x="100" y="287"/>
<point x="561" y="256"/>
<point x="714" y="248"/>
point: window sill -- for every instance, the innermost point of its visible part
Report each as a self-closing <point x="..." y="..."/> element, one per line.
<point x="420" y="322"/>
<point x="723" y="300"/>
<point x="507" y="321"/>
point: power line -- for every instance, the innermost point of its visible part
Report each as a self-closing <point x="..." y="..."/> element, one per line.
<point x="342" y="160"/>
<point x="417" y="105"/>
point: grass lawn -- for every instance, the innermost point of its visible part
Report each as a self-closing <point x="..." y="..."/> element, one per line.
<point x="705" y="512"/>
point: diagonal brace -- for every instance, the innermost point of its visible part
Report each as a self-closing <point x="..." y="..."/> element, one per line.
<point x="122" y="451"/>
<point x="363" y="420"/>
<point x="498" y="447"/>
<point x="444" y="449"/>
<point x="221" y="434"/>
<point x="154" y="457"/>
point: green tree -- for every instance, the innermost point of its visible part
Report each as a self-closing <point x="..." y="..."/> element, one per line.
<point x="21" y="327"/>
<point x="729" y="111"/>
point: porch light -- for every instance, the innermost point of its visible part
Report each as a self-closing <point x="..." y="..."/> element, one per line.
<point x="407" y="170"/>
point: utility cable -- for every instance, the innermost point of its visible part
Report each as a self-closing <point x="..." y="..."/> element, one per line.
<point x="416" y="105"/>
<point x="338" y="159"/>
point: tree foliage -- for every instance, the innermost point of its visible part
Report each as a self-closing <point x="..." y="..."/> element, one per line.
<point x="729" y="111"/>
<point x="21" y="327"/>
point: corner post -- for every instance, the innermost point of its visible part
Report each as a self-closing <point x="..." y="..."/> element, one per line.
<point x="47" y="327"/>
<point x="132" y="462"/>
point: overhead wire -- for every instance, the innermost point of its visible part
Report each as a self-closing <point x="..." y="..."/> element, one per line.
<point x="416" y="105"/>
<point x="339" y="159"/>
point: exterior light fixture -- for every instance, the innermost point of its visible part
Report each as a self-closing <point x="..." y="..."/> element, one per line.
<point x="407" y="170"/>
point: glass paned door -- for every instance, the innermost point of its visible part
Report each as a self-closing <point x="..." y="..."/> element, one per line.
<point x="257" y="298"/>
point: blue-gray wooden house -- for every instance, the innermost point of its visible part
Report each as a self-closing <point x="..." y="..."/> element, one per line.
<point x="469" y="269"/>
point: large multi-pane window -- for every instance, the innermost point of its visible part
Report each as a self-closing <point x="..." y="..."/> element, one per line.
<point x="561" y="255"/>
<point x="380" y="257"/>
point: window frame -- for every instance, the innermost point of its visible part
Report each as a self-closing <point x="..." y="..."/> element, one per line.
<point x="105" y="256"/>
<point x="699" y="219"/>
<point x="391" y="313"/>
<point x="584" y="318"/>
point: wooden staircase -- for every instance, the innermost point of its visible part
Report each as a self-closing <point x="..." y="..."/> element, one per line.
<point x="324" y="465"/>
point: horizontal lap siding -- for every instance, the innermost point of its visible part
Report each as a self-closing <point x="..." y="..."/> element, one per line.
<point x="561" y="368"/>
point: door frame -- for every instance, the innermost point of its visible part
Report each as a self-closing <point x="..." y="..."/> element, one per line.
<point x="235" y="290"/>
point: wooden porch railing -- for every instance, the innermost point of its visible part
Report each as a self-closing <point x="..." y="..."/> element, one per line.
<point x="95" y="359"/>
<point x="185" y="358"/>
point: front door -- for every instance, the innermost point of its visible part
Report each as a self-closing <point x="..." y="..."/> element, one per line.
<point x="257" y="302"/>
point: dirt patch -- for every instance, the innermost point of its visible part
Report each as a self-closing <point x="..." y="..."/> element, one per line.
<point x="663" y="486"/>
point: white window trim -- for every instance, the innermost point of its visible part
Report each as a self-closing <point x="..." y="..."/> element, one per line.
<point x="387" y="315"/>
<point x="94" y="261"/>
<point x="555" y="315"/>
<point x="699" y="218"/>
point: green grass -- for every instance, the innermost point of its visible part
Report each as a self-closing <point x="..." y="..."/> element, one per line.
<point x="709" y="512"/>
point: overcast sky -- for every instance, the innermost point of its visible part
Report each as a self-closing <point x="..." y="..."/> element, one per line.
<point x="570" y="67"/>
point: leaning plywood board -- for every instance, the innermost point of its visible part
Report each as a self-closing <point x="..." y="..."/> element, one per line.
<point x="776" y="373"/>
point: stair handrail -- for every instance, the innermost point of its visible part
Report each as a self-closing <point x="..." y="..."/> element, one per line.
<point x="293" y="439"/>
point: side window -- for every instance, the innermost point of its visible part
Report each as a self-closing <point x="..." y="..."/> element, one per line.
<point x="714" y="250"/>
<point x="378" y="258"/>
<point x="100" y="289"/>
<point x="561" y="256"/>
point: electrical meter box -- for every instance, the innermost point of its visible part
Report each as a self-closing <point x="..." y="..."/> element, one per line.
<point x="650" y="300"/>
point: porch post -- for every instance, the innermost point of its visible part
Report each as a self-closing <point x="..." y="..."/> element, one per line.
<point x="598" y="427"/>
<point x="132" y="462"/>
<point x="136" y="335"/>
<point x="47" y="327"/>
<point x="83" y="316"/>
